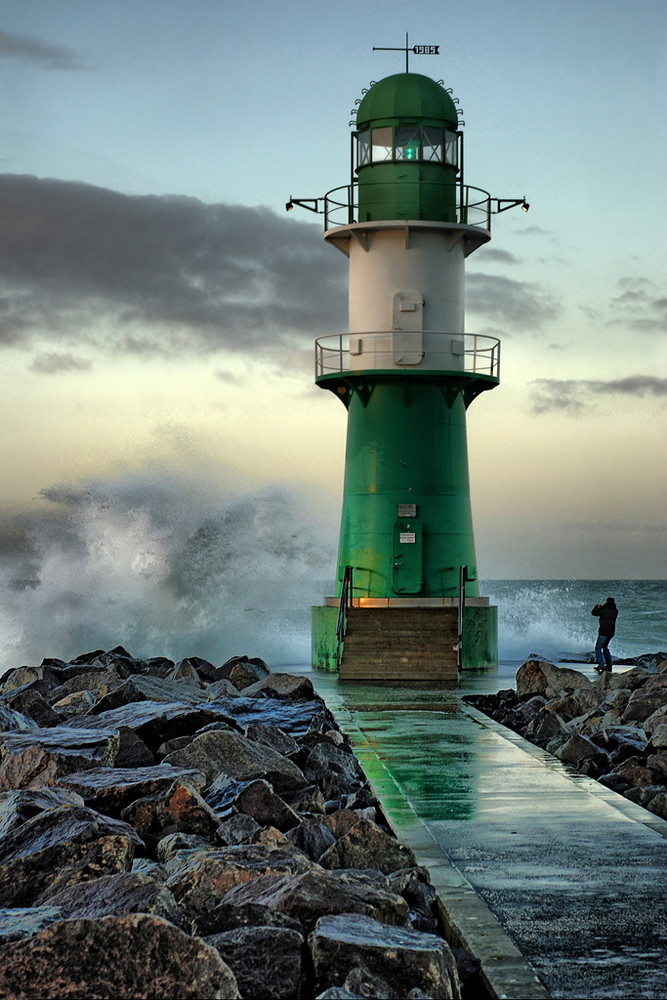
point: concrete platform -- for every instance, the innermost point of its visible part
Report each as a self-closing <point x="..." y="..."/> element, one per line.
<point x="556" y="883"/>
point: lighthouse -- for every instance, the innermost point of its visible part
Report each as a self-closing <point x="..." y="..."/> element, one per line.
<point x="405" y="606"/>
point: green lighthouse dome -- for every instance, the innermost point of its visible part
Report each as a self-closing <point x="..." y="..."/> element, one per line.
<point x="407" y="95"/>
<point x="408" y="151"/>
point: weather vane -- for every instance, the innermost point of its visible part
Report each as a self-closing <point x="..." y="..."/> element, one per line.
<point x="417" y="50"/>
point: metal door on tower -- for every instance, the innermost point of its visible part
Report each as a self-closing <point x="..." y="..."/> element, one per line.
<point x="407" y="573"/>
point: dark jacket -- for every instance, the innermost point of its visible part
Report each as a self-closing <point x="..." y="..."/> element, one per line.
<point x="607" y="613"/>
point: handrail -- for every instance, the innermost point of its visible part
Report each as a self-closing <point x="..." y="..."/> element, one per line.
<point x="344" y="606"/>
<point x="463" y="576"/>
<point x="473" y="205"/>
<point x="480" y="356"/>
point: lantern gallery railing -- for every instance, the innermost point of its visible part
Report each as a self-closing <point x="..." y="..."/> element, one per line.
<point x="472" y="205"/>
<point x="392" y="350"/>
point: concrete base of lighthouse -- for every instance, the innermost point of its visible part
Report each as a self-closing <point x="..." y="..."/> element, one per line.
<point x="479" y="639"/>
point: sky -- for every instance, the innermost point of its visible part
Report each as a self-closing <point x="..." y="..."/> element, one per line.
<point x="171" y="475"/>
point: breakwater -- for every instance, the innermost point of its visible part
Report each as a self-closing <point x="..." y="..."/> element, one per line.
<point x="613" y="729"/>
<point x="192" y="830"/>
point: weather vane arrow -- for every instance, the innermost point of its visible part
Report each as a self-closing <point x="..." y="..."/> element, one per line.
<point x="417" y="50"/>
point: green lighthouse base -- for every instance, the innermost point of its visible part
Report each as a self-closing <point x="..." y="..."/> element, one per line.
<point x="479" y="640"/>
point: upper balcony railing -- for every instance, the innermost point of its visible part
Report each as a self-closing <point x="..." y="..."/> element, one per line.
<point x="472" y="208"/>
<point x="455" y="353"/>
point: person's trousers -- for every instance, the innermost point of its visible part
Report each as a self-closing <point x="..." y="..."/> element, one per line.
<point x="602" y="654"/>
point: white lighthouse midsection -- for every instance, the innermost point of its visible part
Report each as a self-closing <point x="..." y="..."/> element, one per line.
<point x="406" y="299"/>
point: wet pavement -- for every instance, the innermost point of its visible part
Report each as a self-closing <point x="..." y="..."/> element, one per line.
<point x="543" y="872"/>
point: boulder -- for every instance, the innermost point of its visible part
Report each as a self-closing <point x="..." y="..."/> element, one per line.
<point x="406" y="958"/>
<point x="28" y="700"/>
<point x="335" y="770"/>
<point x="238" y="829"/>
<point x="266" y="961"/>
<point x="38" y="758"/>
<point x="116" y="895"/>
<point x="200" y="879"/>
<point x="309" y="895"/>
<point x="288" y="686"/>
<point x="365" y="845"/>
<point x="540" y="677"/>
<point x="578" y="749"/>
<point x="244" y="672"/>
<point x="274" y="737"/>
<point x="19" y="805"/>
<point x="229" y="756"/>
<point x="257" y="799"/>
<point x="110" y="789"/>
<point x="120" y="956"/>
<point x="175" y="808"/>
<point x="314" y="839"/>
<point x="647" y="699"/>
<point x="132" y="751"/>
<point x="11" y="720"/>
<point x="23" y="921"/>
<point x="153" y="722"/>
<point x="59" y="846"/>
<point x="75" y="703"/>
<point x="146" y="688"/>
<point x="19" y="676"/>
<point x="225" y="917"/>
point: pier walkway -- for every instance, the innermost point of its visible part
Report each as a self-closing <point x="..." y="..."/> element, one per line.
<point x="555" y="883"/>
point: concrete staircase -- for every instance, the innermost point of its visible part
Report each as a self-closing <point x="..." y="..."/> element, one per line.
<point x="400" y="645"/>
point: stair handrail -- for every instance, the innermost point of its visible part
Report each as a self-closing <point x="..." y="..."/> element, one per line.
<point x="463" y="576"/>
<point x="346" y="597"/>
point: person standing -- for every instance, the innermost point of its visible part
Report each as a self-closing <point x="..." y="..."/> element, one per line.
<point x="607" y="613"/>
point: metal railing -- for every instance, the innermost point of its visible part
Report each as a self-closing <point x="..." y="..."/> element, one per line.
<point x="343" y="608"/>
<point x="472" y="206"/>
<point x="480" y="354"/>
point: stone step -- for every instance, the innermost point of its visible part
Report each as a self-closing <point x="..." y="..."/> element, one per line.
<point x="396" y="645"/>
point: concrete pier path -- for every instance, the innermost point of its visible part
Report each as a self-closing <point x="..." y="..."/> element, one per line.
<point x="556" y="883"/>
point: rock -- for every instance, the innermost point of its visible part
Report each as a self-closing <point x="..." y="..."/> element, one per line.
<point x="29" y="701"/>
<point x="173" y="809"/>
<point x="76" y="703"/>
<point x="231" y="757"/>
<point x="405" y="958"/>
<point x="647" y="699"/>
<point x="314" y="839"/>
<point x="286" y="686"/>
<point x="267" y="961"/>
<point x="60" y="846"/>
<point x="655" y="719"/>
<point x="203" y="668"/>
<point x="658" y="805"/>
<point x="272" y="736"/>
<point x="341" y="821"/>
<point x="245" y="672"/>
<point x="657" y="764"/>
<point x="109" y="789"/>
<point x="225" y="917"/>
<point x="116" y="895"/>
<point x="222" y="688"/>
<point x="578" y="749"/>
<point x="132" y="751"/>
<point x="38" y="758"/>
<point x="547" y="725"/>
<point x="18" y="806"/>
<point x="153" y="722"/>
<point x="24" y="921"/>
<point x="11" y="721"/>
<point x="365" y="845"/>
<point x="174" y="844"/>
<point x="122" y="957"/>
<point x="238" y="829"/>
<point x="20" y="676"/>
<point x="336" y="771"/>
<point x="309" y="895"/>
<point x="258" y="800"/>
<point x="200" y="879"/>
<point x="540" y="677"/>
<point x="306" y="800"/>
<point x="158" y="689"/>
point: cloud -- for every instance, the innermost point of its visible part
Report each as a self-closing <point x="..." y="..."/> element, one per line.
<point x="499" y="256"/>
<point x="638" y="306"/>
<point x="52" y="363"/>
<point x="32" y="50"/>
<point x="168" y="275"/>
<point x="572" y="396"/>
<point x="520" y="304"/>
<point x="164" y="565"/>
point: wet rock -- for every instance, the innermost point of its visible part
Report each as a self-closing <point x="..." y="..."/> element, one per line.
<point x="309" y="895"/>
<point x="657" y="764"/>
<point x="314" y="839"/>
<point x="336" y="771"/>
<point x="341" y="821"/>
<point x="406" y="958"/>
<point x="658" y="805"/>
<point x="22" y="922"/>
<point x="76" y="703"/>
<point x="18" y="806"/>
<point x="365" y="845"/>
<point x="173" y="809"/>
<point x="11" y="721"/>
<point x="132" y="751"/>
<point x="58" y="846"/>
<point x="122" y="957"/>
<point x="309" y="800"/>
<point x="258" y="800"/>
<point x="267" y="961"/>
<point x="222" y="688"/>
<point x="174" y="844"/>
<point x="540" y="677"/>
<point x="225" y="917"/>
<point x="20" y="676"/>
<point x="245" y="672"/>
<point x="146" y="688"/>
<point x="29" y="701"/>
<point x="578" y="749"/>
<point x="238" y="829"/>
<point x="644" y="701"/>
<point x="229" y="756"/>
<point x="274" y="737"/>
<point x="203" y="668"/>
<point x="153" y="722"/>
<point x="38" y="758"/>
<point x="288" y="686"/>
<point x="115" y="896"/>
<point x="200" y="879"/>
<point x="110" y="789"/>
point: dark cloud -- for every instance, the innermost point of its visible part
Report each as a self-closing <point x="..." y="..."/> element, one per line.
<point x="638" y="306"/>
<point x="168" y="275"/>
<point x="574" y="395"/>
<point x="487" y="253"/>
<point x="522" y="305"/>
<point x="52" y="363"/>
<point x="32" y="50"/>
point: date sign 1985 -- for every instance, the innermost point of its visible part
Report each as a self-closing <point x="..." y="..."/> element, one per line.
<point x="426" y="50"/>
